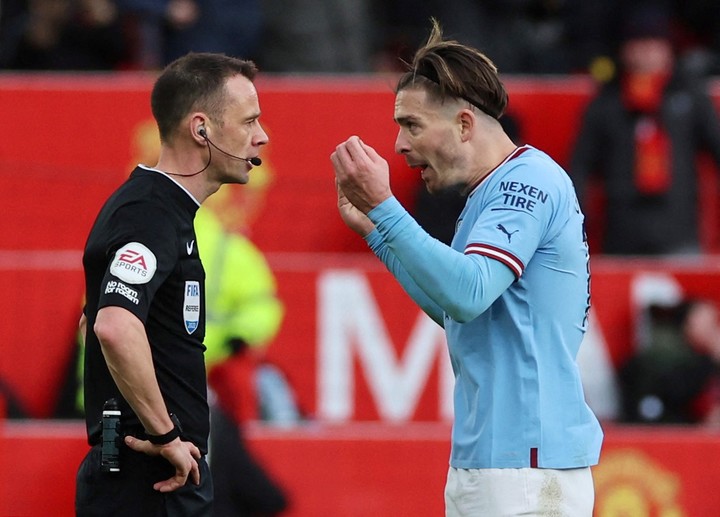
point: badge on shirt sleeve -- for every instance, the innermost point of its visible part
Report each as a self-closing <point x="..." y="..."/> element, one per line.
<point x="191" y="305"/>
<point x="134" y="263"/>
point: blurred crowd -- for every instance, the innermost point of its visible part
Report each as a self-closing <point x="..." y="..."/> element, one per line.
<point x="674" y="376"/>
<point x="333" y="36"/>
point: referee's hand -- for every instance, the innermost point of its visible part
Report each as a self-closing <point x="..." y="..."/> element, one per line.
<point x="182" y="455"/>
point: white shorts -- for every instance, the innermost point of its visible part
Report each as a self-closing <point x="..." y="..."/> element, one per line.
<point x="526" y="492"/>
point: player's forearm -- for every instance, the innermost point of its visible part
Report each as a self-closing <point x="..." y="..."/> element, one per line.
<point x="127" y="354"/>
<point x="432" y="309"/>
<point x="461" y="285"/>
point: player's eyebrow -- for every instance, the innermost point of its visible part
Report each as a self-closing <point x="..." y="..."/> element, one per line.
<point x="405" y="119"/>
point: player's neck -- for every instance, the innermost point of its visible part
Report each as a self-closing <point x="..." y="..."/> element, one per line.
<point x="488" y="158"/>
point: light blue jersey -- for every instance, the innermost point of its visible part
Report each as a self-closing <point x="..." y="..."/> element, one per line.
<point x="513" y="296"/>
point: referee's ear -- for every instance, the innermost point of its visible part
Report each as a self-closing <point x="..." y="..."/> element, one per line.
<point x="198" y="128"/>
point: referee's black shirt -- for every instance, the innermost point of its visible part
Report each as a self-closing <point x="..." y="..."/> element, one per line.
<point x="142" y="255"/>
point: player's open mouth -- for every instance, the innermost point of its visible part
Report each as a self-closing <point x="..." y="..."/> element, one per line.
<point x="420" y="166"/>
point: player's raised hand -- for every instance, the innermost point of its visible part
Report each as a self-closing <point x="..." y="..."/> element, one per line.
<point x="353" y="218"/>
<point x="362" y="174"/>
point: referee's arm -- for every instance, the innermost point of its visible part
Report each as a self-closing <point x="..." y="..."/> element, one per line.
<point x="125" y="346"/>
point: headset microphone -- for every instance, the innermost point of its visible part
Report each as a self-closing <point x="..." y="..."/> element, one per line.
<point x="257" y="162"/>
<point x="201" y="131"/>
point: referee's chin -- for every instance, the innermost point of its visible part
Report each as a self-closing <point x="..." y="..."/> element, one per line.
<point x="237" y="177"/>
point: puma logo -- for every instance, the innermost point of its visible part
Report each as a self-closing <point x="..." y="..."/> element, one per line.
<point x="509" y="234"/>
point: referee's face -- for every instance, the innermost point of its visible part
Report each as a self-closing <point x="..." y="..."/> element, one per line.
<point x="240" y="133"/>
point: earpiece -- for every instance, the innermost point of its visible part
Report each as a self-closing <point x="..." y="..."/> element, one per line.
<point x="255" y="161"/>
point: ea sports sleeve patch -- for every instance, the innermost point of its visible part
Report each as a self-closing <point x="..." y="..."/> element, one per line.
<point x="134" y="263"/>
<point x="142" y="256"/>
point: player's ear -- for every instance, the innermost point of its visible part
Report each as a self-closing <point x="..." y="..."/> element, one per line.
<point x="467" y="121"/>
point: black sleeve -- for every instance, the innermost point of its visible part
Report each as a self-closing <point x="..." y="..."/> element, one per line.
<point x="142" y="252"/>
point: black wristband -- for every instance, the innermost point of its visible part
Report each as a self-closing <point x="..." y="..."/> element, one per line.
<point x="168" y="437"/>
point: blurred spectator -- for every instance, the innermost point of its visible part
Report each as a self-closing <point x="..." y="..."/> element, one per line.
<point x="61" y="35"/>
<point x="163" y="30"/>
<point x="145" y="24"/>
<point x="316" y="36"/>
<point x="526" y="36"/>
<point x="243" y="487"/>
<point x="10" y="404"/>
<point x="243" y="316"/>
<point x="700" y="32"/>
<point x="233" y="27"/>
<point x="240" y="288"/>
<point x="675" y="377"/>
<point x="523" y="36"/>
<point x="640" y="137"/>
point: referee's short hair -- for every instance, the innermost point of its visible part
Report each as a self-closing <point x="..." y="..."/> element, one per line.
<point x="194" y="82"/>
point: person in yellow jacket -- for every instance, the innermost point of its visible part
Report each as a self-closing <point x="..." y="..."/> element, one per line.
<point x="241" y="292"/>
<point x="243" y="315"/>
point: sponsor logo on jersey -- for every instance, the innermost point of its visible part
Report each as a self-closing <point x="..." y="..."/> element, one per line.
<point x="120" y="288"/>
<point x="191" y="305"/>
<point x="134" y="263"/>
<point x="189" y="246"/>
<point x="506" y="231"/>
<point x="521" y="196"/>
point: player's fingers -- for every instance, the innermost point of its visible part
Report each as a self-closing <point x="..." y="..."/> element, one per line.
<point x="335" y="160"/>
<point x="354" y="145"/>
<point x="371" y="152"/>
<point x="342" y="163"/>
<point x="342" y="157"/>
<point x="356" y="149"/>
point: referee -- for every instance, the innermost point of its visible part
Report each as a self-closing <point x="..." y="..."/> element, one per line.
<point x="512" y="290"/>
<point x="144" y="319"/>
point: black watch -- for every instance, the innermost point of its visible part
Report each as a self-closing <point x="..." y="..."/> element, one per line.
<point x="168" y="437"/>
